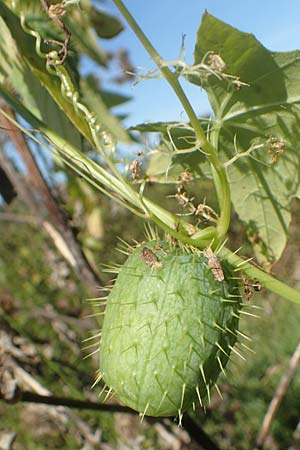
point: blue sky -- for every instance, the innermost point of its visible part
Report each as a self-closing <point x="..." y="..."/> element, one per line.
<point x="274" y="23"/>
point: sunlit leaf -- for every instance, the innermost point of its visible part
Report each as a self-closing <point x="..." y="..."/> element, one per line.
<point x="33" y="79"/>
<point x="264" y="114"/>
<point x="80" y="25"/>
<point x="112" y="99"/>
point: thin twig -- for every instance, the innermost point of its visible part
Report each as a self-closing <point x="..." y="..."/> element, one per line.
<point x="44" y="5"/>
<point x="198" y="434"/>
<point x="277" y="399"/>
<point x="296" y="438"/>
<point x="12" y="376"/>
<point x="73" y="403"/>
<point x="55" y="17"/>
<point x="18" y="218"/>
<point x="195" y="432"/>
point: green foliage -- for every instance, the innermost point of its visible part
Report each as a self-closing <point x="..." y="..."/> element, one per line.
<point x="263" y="114"/>
<point x="106" y="26"/>
<point x="249" y="386"/>
<point x="255" y="129"/>
<point x="175" y="154"/>
<point x="28" y="76"/>
<point x="93" y="98"/>
<point x="37" y="90"/>
<point x="246" y="154"/>
<point x="50" y="313"/>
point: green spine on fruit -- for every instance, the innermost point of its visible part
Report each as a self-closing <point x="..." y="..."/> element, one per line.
<point x="168" y="329"/>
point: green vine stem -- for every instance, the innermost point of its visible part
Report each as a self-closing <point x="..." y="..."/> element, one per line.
<point x="103" y="180"/>
<point x="96" y="175"/>
<point x="266" y="280"/>
<point x="117" y="188"/>
<point x="218" y="171"/>
<point x="219" y="174"/>
<point x="102" y="139"/>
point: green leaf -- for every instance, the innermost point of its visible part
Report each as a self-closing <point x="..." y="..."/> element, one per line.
<point x="266" y="113"/>
<point x="13" y="69"/>
<point x="112" y="99"/>
<point x="78" y="21"/>
<point x="84" y="36"/>
<point x="39" y="83"/>
<point x="36" y="87"/>
<point x="106" y="26"/>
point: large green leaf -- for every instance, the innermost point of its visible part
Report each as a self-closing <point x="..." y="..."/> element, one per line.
<point x="266" y="113"/>
<point x="84" y="35"/>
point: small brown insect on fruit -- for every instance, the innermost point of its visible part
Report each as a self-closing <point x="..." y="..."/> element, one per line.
<point x="149" y="258"/>
<point x="214" y="264"/>
<point x="249" y="287"/>
<point x="135" y="168"/>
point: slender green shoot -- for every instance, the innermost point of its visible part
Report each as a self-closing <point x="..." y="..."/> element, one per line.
<point x="218" y="171"/>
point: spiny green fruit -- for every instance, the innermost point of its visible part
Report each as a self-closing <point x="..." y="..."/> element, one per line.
<point x="168" y="329"/>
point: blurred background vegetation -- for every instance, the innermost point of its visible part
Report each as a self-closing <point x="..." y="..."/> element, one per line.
<point x="44" y="313"/>
<point x="46" y="224"/>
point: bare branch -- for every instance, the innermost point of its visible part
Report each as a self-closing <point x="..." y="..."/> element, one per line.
<point x="196" y="433"/>
<point x="296" y="438"/>
<point x="32" y="397"/>
<point x="277" y="399"/>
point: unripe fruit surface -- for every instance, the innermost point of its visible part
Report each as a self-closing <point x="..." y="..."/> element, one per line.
<point x="168" y="329"/>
